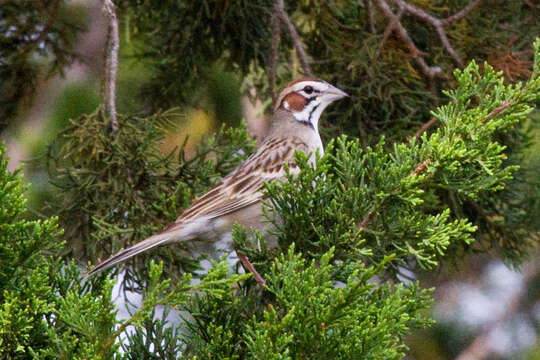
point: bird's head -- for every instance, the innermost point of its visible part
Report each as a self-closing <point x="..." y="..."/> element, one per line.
<point x="306" y="99"/>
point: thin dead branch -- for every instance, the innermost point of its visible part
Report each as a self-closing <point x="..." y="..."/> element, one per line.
<point x="423" y="128"/>
<point x="366" y="219"/>
<point x="111" y="62"/>
<point x="421" y="167"/>
<point x="390" y="27"/>
<point x="439" y="24"/>
<point x="430" y="72"/>
<point x="280" y="8"/>
<point x="370" y="17"/>
<point x="505" y="105"/>
<point x="274" y="52"/>
<point x="461" y="14"/>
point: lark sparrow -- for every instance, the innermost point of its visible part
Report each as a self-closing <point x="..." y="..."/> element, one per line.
<point x="237" y="197"/>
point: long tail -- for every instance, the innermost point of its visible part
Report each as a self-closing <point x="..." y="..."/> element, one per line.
<point x="177" y="233"/>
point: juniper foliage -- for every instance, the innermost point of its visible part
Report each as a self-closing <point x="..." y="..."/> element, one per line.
<point x="47" y="311"/>
<point x="355" y="219"/>
<point x="34" y="284"/>
<point x="117" y="188"/>
<point x="348" y="44"/>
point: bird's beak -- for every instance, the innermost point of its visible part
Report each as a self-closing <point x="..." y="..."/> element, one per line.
<point x="333" y="94"/>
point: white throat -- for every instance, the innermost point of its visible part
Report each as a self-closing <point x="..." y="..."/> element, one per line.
<point x="311" y="113"/>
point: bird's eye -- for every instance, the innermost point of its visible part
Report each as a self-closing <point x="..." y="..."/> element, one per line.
<point x="308" y="89"/>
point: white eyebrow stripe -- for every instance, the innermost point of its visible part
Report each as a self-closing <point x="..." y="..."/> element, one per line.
<point x="314" y="84"/>
<point x="321" y="86"/>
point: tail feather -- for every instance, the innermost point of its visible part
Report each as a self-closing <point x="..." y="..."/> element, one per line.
<point x="151" y="242"/>
<point x="178" y="232"/>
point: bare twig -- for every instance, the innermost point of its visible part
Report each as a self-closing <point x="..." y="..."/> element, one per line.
<point x="280" y="7"/>
<point x="462" y="13"/>
<point x="366" y="219"/>
<point x="505" y="105"/>
<point x="276" y="36"/>
<point x="390" y="27"/>
<point x="423" y="128"/>
<point x="421" y="167"/>
<point x="429" y="71"/>
<point x="439" y="24"/>
<point x="370" y="17"/>
<point x="111" y="62"/>
<point x="249" y="266"/>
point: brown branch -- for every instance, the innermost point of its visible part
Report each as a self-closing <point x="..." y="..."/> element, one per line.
<point x="280" y="6"/>
<point x="505" y="105"/>
<point x="111" y="62"/>
<point x="421" y="167"/>
<point x="370" y="17"/>
<point x="274" y="52"/>
<point x="429" y="71"/>
<point x="461" y="14"/>
<point x="249" y="266"/>
<point x="366" y="219"/>
<point x="439" y="24"/>
<point x="423" y="128"/>
<point x="390" y="27"/>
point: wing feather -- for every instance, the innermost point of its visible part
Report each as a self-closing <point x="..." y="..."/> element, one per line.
<point x="243" y="187"/>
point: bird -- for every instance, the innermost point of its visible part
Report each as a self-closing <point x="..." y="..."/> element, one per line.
<point x="237" y="198"/>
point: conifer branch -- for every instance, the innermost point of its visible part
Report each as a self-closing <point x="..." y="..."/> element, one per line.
<point x="280" y="8"/>
<point x="370" y="214"/>
<point x="505" y="105"/>
<point x="111" y="62"/>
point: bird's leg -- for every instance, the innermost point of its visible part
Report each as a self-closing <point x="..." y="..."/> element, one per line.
<point x="248" y="265"/>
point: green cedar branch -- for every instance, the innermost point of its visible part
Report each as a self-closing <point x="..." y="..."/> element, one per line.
<point x="505" y="105"/>
<point x="159" y="292"/>
<point x="370" y="215"/>
<point x="380" y="201"/>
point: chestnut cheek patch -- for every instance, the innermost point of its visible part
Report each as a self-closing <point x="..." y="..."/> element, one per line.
<point x="295" y="101"/>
